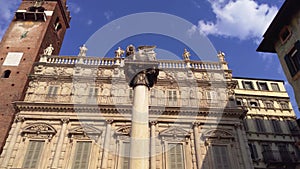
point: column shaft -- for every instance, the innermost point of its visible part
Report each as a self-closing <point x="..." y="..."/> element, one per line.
<point x="60" y="143"/>
<point x="153" y="146"/>
<point x="197" y="145"/>
<point x="106" y="146"/>
<point x="139" y="148"/>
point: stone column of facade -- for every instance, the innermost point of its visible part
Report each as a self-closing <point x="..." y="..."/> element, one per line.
<point x="141" y="72"/>
<point x="153" y="145"/>
<point x="19" y="120"/>
<point x="245" y="153"/>
<point x="106" y="144"/>
<point x="197" y="144"/>
<point x="60" y="143"/>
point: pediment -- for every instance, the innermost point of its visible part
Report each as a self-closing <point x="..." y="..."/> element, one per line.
<point x="174" y="132"/>
<point x="85" y="130"/>
<point x="39" y="129"/>
<point x="124" y="130"/>
<point x="218" y="134"/>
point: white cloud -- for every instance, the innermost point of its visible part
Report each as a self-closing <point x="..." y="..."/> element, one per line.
<point x="108" y="15"/>
<point x="74" y="8"/>
<point x="241" y="19"/>
<point x="89" y="22"/>
<point x="7" y="9"/>
<point x="268" y="59"/>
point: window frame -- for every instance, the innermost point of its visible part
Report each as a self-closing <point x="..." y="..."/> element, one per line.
<point x="40" y="154"/>
<point x="183" y="156"/>
<point x="260" y="84"/>
<point x="292" y="60"/>
<point x="277" y="87"/>
<point x="230" y="162"/>
<point x="245" y="83"/>
<point x="260" y="125"/>
<point x="72" y="162"/>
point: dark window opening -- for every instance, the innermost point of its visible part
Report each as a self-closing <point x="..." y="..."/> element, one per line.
<point x="248" y="85"/>
<point x="275" y="87"/>
<point x="253" y="104"/>
<point x="6" y="74"/>
<point x="262" y="86"/>
<point x="285" y="34"/>
<point x="260" y="125"/>
<point x="57" y="25"/>
<point x="293" y="59"/>
<point x="239" y="102"/>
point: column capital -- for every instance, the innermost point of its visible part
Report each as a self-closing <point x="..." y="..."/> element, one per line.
<point x="19" y="119"/>
<point x="196" y="123"/>
<point x="65" y="120"/>
<point x="153" y="122"/>
<point x="109" y="121"/>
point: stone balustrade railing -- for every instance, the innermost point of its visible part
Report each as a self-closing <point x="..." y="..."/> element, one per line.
<point x="163" y="64"/>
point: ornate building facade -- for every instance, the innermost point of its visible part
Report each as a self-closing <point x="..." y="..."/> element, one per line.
<point x="77" y="114"/>
<point x="282" y="37"/>
<point x="270" y="123"/>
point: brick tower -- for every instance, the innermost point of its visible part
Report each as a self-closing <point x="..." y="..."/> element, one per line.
<point x="36" y="25"/>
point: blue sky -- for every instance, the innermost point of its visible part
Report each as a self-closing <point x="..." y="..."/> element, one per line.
<point x="232" y="26"/>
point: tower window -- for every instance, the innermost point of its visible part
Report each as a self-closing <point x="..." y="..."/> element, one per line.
<point x="57" y="25"/>
<point x="6" y="74"/>
<point x="285" y="34"/>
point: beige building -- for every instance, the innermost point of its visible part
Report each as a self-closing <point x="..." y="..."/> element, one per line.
<point x="270" y="123"/>
<point x="282" y="37"/>
<point x="77" y="114"/>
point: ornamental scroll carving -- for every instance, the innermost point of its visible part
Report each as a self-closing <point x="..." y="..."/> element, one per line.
<point x="174" y="134"/>
<point x="84" y="133"/>
<point x="123" y="133"/>
<point x="217" y="134"/>
<point x="39" y="131"/>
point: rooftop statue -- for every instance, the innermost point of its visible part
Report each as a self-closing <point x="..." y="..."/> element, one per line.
<point x="48" y="51"/>
<point x="83" y="50"/>
<point x="119" y="53"/>
<point x="186" y="55"/>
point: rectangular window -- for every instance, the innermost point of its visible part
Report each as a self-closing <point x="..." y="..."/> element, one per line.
<point x="52" y="91"/>
<point x="269" y="105"/>
<point x="275" y="87"/>
<point x="172" y="97"/>
<point x="248" y="85"/>
<point x="260" y="126"/>
<point x="93" y="92"/>
<point x="125" y="149"/>
<point x="262" y="86"/>
<point x="292" y="126"/>
<point x="276" y="126"/>
<point x="82" y="155"/>
<point x="175" y="156"/>
<point x="293" y="59"/>
<point x="253" y="103"/>
<point x="220" y="154"/>
<point x="245" y="123"/>
<point x="33" y="154"/>
<point x="253" y="150"/>
<point x="284" y="106"/>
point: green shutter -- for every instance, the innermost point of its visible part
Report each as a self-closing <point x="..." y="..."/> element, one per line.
<point x="82" y="155"/>
<point x="175" y="156"/>
<point x="33" y="154"/>
<point x="220" y="154"/>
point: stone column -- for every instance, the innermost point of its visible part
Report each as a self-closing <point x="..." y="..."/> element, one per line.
<point x="153" y="145"/>
<point x="18" y="120"/>
<point x="60" y="143"/>
<point x="106" y="146"/>
<point x="141" y="72"/>
<point x="242" y="138"/>
<point x="197" y="144"/>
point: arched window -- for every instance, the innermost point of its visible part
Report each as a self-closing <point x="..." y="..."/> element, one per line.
<point x="6" y="74"/>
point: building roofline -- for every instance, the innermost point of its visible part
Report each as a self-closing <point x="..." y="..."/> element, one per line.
<point x="262" y="79"/>
<point x="282" y="18"/>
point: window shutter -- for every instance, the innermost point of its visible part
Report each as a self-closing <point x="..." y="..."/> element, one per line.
<point x="290" y="65"/>
<point x="221" y="159"/>
<point x="33" y="154"/>
<point x="82" y="154"/>
<point x="175" y="156"/>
